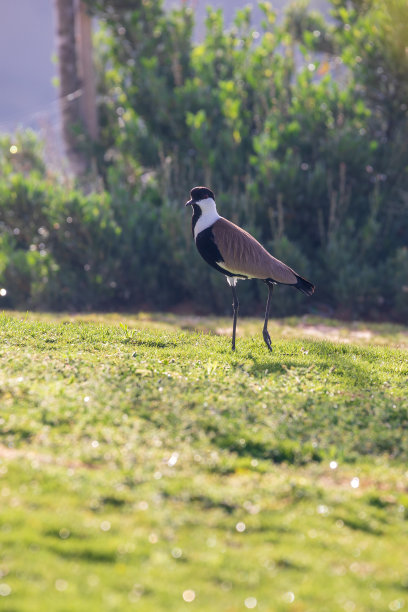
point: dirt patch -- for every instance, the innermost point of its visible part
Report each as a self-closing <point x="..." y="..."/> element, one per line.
<point x="336" y="334"/>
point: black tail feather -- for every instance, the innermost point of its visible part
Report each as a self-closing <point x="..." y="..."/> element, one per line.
<point x="304" y="286"/>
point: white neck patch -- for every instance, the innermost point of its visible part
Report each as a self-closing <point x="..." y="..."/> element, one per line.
<point x="208" y="217"/>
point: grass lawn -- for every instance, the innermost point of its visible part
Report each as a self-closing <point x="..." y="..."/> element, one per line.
<point x="144" y="466"/>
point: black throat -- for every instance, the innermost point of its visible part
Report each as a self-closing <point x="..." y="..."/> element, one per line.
<point x="197" y="212"/>
<point x="208" y="250"/>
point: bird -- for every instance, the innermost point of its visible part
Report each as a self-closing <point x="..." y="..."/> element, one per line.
<point x="231" y="250"/>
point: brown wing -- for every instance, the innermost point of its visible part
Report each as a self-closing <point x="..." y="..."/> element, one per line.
<point x="244" y="255"/>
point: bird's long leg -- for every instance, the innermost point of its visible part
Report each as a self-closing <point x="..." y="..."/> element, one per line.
<point x="265" y="332"/>
<point x="235" y="306"/>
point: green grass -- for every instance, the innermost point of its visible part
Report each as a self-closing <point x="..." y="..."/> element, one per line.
<point x="140" y="460"/>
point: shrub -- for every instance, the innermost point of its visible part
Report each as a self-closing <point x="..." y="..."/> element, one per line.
<point x="300" y="127"/>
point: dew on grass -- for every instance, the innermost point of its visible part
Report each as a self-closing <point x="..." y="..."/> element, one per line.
<point x="61" y="584"/>
<point x="173" y="459"/>
<point x="189" y="595"/>
<point x="176" y="553"/>
<point x="93" y="580"/>
<point x="355" y="482"/>
<point x="322" y="509"/>
<point x="240" y="527"/>
<point x="94" y="443"/>
<point x="289" y="597"/>
<point x="86" y="399"/>
<point x="397" y="604"/>
<point x="64" y="533"/>
<point x="333" y="465"/>
<point x="3" y="292"/>
<point x="5" y="589"/>
<point x="251" y="508"/>
<point x="105" y="525"/>
<point x="250" y="602"/>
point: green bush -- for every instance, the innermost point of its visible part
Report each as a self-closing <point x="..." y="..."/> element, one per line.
<point x="57" y="244"/>
<point x="300" y="127"/>
<point x="295" y="147"/>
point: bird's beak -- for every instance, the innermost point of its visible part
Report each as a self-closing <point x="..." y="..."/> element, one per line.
<point x="190" y="203"/>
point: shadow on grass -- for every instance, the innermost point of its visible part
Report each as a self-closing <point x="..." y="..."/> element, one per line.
<point x="343" y="362"/>
<point x="149" y="343"/>
<point x="276" y="451"/>
<point x="86" y="554"/>
<point x="358" y="524"/>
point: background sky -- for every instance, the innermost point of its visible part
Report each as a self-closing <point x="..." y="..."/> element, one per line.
<point x="26" y="68"/>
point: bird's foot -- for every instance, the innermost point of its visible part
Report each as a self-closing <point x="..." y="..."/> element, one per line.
<point x="267" y="339"/>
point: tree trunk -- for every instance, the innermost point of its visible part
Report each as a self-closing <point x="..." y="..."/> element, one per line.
<point x="75" y="105"/>
<point x="87" y="101"/>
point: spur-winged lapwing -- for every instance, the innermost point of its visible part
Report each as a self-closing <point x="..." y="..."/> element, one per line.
<point x="232" y="251"/>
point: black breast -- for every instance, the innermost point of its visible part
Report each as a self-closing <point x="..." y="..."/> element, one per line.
<point x="208" y="249"/>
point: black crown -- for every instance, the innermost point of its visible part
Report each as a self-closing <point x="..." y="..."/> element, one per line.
<point x="201" y="193"/>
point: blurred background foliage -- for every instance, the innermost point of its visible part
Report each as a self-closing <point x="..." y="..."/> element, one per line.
<point x="300" y="126"/>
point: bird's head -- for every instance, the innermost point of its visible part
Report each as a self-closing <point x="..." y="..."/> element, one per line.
<point x="204" y="209"/>
<point x="201" y="197"/>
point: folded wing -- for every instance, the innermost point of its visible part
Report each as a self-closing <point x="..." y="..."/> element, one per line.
<point x="243" y="255"/>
